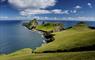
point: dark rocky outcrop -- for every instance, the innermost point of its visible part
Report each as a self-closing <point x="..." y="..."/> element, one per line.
<point x="49" y="37"/>
<point x="31" y="25"/>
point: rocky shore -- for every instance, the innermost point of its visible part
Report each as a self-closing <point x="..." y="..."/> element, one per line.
<point x="43" y="30"/>
<point x="48" y="36"/>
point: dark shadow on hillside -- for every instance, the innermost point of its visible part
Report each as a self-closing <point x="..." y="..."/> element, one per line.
<point x="92" y="27"/>
<point x="87" y="48"/>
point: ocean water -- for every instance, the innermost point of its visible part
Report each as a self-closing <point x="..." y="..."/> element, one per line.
<point x="14" y="36"/>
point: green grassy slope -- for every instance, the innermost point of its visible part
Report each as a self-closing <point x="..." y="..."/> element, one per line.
<point x="48" y="26"/>
<point x="19" y="53"/>
<point x="76" y="37"/>
<point x="87" y="55"/>
<point x="26" y="51"/>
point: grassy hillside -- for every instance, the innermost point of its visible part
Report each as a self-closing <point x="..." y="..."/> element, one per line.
<point x="87" y="55"/>
<point x="49" y="26"/>
<point x="26" y="51"/>
<point x="19" y="53"/>
<point x="45" y="27"/>
<point x="75" y="38"/>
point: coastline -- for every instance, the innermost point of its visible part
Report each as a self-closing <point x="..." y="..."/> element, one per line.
<point x="44" y="34"/>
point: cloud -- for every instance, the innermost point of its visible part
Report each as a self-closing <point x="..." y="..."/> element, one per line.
<point x="59" y="11"/>
<point x="30" y="7"/>
<point x="37" y="11"/>
<point x="34" y="4"/>
<point x="89" y="4"/>
<point x="73" y="11"/>
<point x="66" y="12"/>
<point x="2" y="0"/>
<point x="77" y="7"/>
<point x="28" y="12"/>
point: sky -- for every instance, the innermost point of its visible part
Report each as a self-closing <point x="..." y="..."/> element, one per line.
<point x="47" y="10"/>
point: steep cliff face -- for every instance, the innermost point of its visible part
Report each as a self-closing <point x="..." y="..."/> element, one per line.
<point x="32" y="24"/>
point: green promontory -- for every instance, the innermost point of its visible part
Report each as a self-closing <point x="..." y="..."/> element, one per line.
<point x="33" y="24"/>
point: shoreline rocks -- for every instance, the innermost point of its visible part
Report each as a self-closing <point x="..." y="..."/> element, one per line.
<point x="49" y="37"/>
